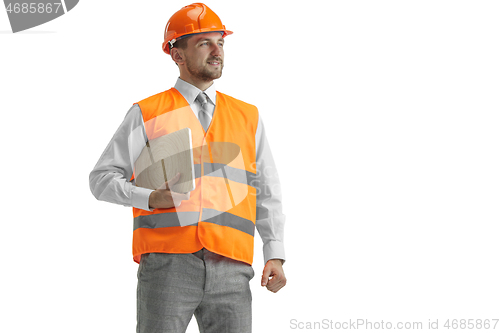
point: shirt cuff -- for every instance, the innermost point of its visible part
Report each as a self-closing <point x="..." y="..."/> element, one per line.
<point x="274" y="250"/>
<point x="140" y="198"/>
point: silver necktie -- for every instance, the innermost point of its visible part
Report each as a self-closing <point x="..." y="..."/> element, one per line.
<point x="202" y="114"/>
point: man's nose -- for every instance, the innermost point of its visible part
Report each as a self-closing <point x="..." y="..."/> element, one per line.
<point x="216" y="51"/>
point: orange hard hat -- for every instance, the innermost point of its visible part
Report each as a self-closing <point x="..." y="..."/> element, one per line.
<point x="192" y="19"/>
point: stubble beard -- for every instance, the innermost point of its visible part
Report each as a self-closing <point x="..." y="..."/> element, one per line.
<point x="204" y="73"/>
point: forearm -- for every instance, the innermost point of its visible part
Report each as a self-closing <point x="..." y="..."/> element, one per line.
<point x="113" y="187"/>
<point x="271" y="232"/>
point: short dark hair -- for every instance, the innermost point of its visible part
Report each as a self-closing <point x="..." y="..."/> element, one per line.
<point x="180" y="43"/>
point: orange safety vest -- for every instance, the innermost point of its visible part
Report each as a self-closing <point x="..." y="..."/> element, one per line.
<point x="220" y="213"/>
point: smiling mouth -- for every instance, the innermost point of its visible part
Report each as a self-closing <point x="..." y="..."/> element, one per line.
<point x="214" y="63"/>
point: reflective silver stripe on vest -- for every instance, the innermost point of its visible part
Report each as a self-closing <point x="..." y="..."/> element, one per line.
<point x="234" y="174"/>
<point x="228" y="220"/>
<point x="178" y="219"/>
<point x="165" y="220"/>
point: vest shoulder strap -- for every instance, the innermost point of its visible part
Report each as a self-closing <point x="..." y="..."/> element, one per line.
<point x="231" y="101"/>
<point x="160" y="103"/>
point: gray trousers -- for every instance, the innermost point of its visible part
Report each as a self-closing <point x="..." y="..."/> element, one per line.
<point x="172" y="287"/>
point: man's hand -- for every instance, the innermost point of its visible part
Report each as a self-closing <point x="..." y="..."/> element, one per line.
<point x="273" y="276"/>
<point x="164" y="198"/>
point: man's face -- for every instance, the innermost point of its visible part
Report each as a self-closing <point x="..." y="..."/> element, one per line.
<point x="205" y="56"/>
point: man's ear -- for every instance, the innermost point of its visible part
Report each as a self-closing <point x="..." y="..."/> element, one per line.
<point x="177" y="56"/>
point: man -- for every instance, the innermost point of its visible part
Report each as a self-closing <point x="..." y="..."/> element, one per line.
<point x="195" y="249"/>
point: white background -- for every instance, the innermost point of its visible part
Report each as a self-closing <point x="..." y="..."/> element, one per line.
<point x="383" y="118"/>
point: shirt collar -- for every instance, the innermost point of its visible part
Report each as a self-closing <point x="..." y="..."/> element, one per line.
<point x="190" y="92"/>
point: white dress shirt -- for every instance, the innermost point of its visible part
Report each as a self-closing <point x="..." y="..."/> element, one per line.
<point x="109" y="180"/>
